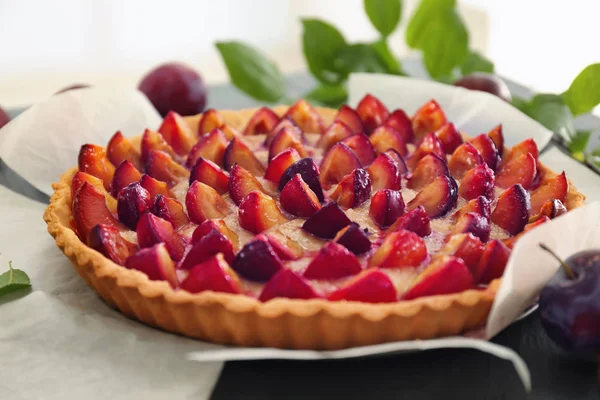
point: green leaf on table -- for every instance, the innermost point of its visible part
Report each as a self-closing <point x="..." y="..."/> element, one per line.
<point x="252" y="72"/>
<point x="551" y="111"/>
<point x="439" y="32"/>
<point x="416" y="32"/>
<point x="584" y="93"/>
<point x="321" y="43"/>
<point x="476" y="62"/>
<point x="328" y="95"/>
<point x="13" y="280"/>
<point x="385" y="54"/>
<point x="384" y="14"/>
<point x="361" y="57"/>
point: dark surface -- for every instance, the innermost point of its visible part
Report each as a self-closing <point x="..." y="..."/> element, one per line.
<point x="434" y="374"/>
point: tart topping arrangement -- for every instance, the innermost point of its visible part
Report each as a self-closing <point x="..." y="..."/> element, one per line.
<point x="370" y="205"/>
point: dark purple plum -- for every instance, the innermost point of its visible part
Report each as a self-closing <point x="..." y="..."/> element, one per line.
<point x="485" y="83"/>
<point x="175" y="87"/>
<point x="257" y="261"/>
<point x="326" y="222"/>
<point x="570" y="303"/>
<point x="354" y="238"/>
<point x="132" y="202"/>
<point x="309" y="172"/>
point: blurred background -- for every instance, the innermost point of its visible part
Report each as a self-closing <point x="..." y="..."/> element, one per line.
<point x="47" y="45"/>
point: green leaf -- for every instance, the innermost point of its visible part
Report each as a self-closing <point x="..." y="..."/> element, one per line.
<point x="551" y="111"/>
<point x="579" y="141"/>
<point x="328" y="95"/>
<point x="361" y="57"/>
<point x="385" y="54"/>
<point x="438" y="31"/>
<point x="416" y="32"/>
<point x="447" y="79"/>
<point x="594" y="157"/>
<point x="321" y="43"/>
<point x="521" y="104"/>
<point x="584" y="93"/>
<point x="384" y="14"/>
<point x="252" y="72"/>
<point x="447" y="43"/>
<point x="476" y="62"/>
<point x="13" y="280"/>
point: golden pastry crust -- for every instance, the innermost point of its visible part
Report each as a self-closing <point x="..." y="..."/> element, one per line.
<point x="284" y="323"/>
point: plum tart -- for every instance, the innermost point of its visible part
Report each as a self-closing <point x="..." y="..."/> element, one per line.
<point x="303" y="227"/>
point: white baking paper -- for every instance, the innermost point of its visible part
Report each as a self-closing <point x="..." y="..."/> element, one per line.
<point x="63" y="326"/>
<point x="60" y="341"/>
<point x="473" y="112"/>
<point x="43" y="142"/>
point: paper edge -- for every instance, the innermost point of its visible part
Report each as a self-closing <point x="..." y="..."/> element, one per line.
<point x="245" y="354"/>
<point x="91" y="94"/>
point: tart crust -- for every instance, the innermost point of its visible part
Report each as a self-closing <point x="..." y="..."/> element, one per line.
<point x="283" y="323"/>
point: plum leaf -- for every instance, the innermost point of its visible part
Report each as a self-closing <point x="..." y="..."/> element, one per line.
<point x="476" y="62"/>
<point x="584" y="93"/>
<point x="321" y="43"/>
<point x="252" y="72"/>
<point x="384" y="14"/>
<point x="387" y="57"/>
<point x="328" y="95"/>
<point x="13" y="280"/>
<point x="361" y="57"/>
<point x="439" y="32"/>
<point x="551" y="111"/>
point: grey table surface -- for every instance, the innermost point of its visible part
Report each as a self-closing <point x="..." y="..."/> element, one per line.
<point x="434" y="374"/>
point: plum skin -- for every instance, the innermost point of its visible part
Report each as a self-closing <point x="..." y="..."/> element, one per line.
<point x="570" y="309"/>
<point x="175" y="87"/>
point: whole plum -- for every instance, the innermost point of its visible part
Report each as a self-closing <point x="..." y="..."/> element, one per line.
<point x="570" y="303"/>
<point x="485" y="83"/>
<point x="175" y="87"/>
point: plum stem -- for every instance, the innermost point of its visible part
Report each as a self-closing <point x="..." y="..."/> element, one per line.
<point x="566" y="267"/>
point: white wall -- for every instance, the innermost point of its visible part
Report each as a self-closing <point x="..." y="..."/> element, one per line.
<point x="46" y="45"/>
